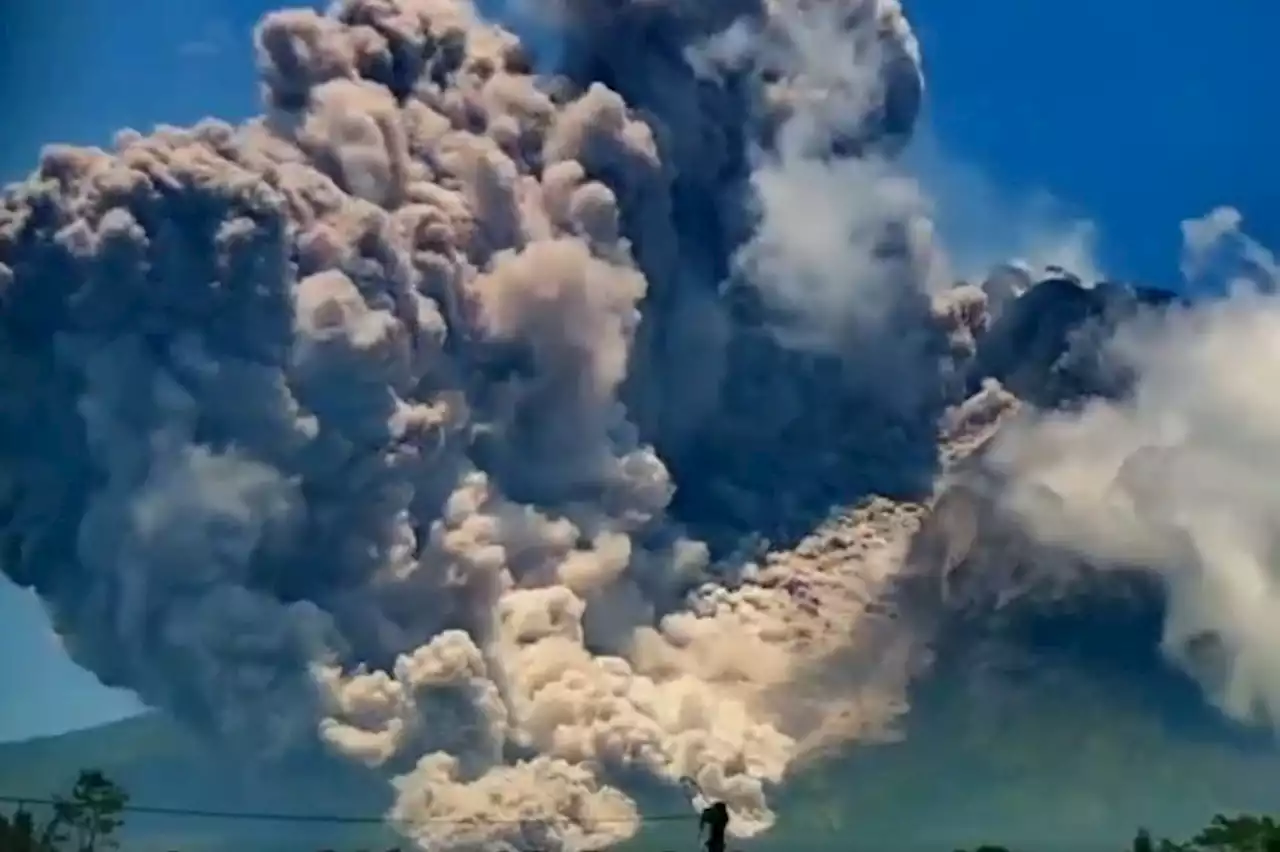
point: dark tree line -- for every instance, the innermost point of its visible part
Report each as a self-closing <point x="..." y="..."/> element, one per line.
<point x="1223" y="834"/>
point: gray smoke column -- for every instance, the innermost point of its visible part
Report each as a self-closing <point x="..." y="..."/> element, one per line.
<point x="1179" y="476"/>
<point x="354" y="424"/>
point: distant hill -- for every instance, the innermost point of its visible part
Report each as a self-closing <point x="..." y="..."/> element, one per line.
<point x="163" y="766"/>
<point x="43" y="764"/>
<point x="1061" y="762"/>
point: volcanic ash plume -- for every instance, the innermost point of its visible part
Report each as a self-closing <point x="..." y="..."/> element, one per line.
<point x="369" y="421"/>
<point x="1178" y="476"/>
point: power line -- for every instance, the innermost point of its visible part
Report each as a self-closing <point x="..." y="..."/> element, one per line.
<point x="331" y="819"/>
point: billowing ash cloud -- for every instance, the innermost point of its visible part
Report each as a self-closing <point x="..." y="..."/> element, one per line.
<point x="437" y="415"/>
<point x="1178" y="475"/>
<point x="512" y="435"/>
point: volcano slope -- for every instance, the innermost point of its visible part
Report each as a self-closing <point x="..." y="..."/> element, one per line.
<point x="508" y="438"/>
<point x="1046" y="716"/>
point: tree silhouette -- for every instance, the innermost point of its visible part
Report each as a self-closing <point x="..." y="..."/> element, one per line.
<point x="1239" y="834"/>
<point x="19" y="833"/>
<point x="88" y="818"/>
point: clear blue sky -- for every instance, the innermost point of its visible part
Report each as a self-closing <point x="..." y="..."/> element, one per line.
<point x="1138" y="113"/>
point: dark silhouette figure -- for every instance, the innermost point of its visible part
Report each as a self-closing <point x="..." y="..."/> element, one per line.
<point x="715" y="819"/>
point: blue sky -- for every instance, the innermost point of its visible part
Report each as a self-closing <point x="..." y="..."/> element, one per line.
<point x="1135" y="113"/>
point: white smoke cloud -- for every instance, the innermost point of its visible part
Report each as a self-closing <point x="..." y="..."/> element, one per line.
<point x="980" y="224"/>
<point x="839" y="243"/>
<point x="1180" y="477"/>
<point x="1217" y="254"/>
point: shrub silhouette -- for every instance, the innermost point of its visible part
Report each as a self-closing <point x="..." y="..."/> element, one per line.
<point x="85" y="820"/>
